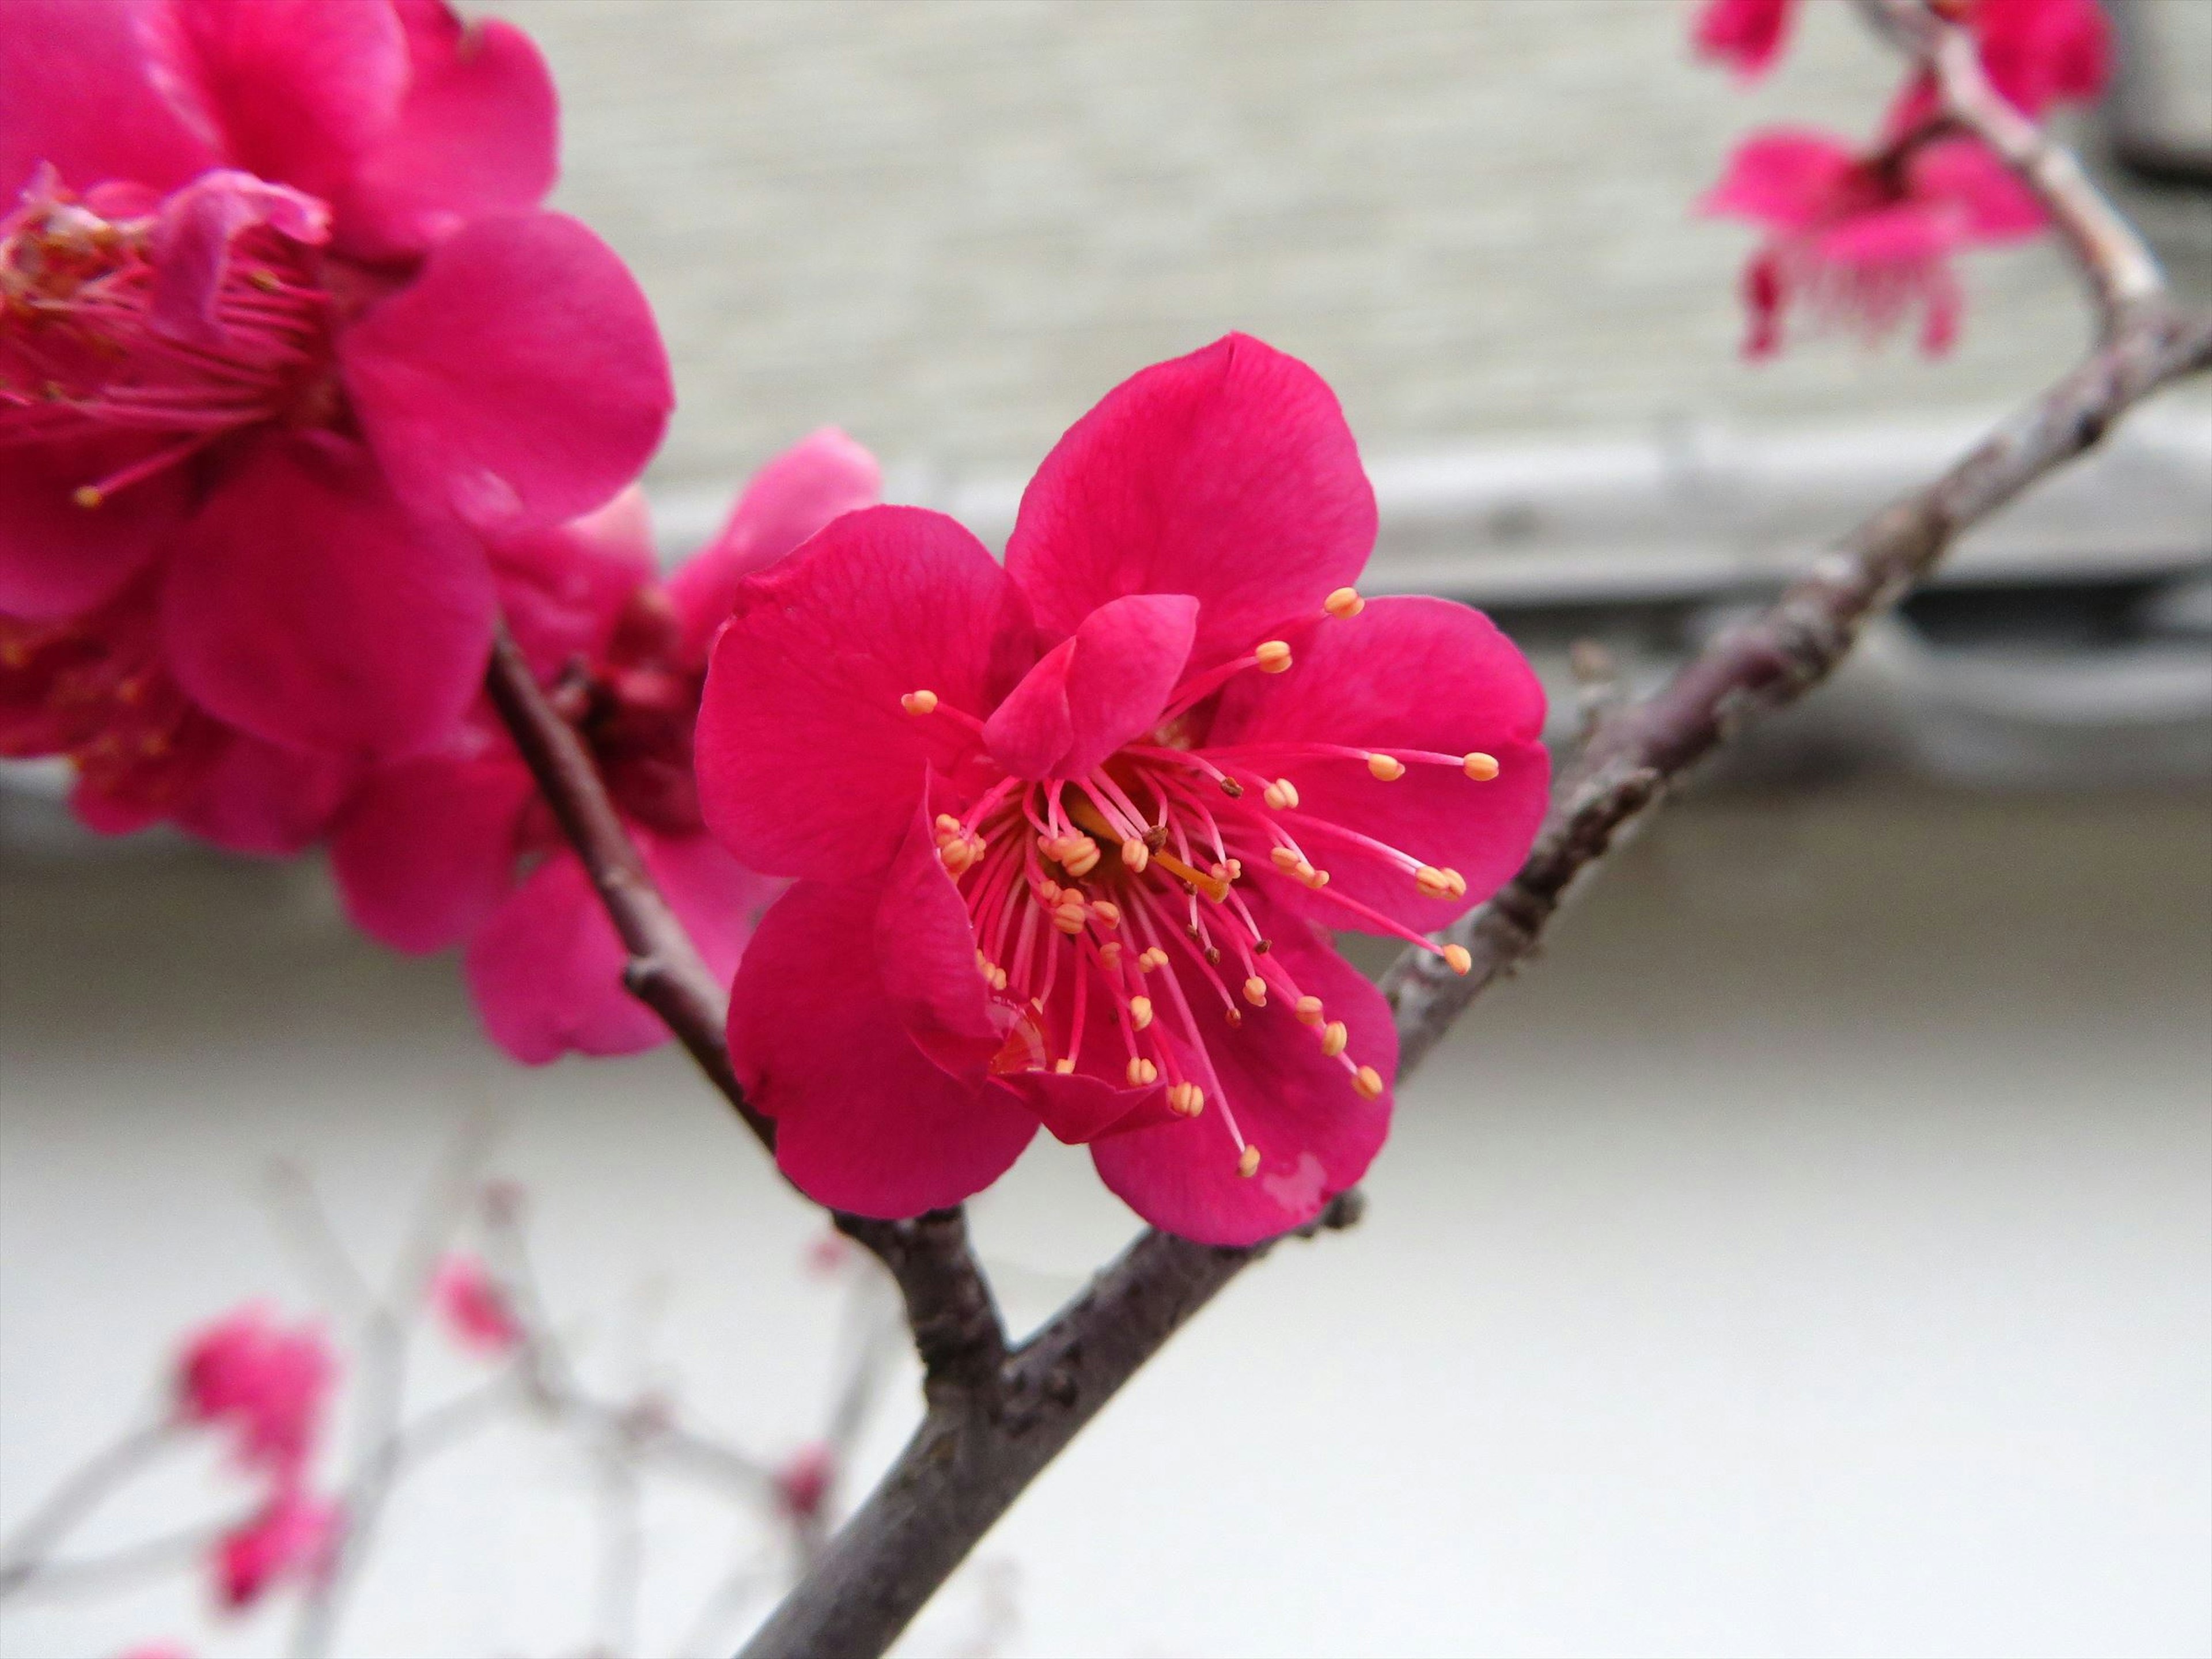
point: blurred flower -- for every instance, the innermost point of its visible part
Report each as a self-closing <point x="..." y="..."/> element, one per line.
<point x="1865" y="239"/>
<point x="803" y="1483"/>
<point x="158" y="1650"/>
<point x="96" y="690"/>
<point x="454" y="846"/>
<point x="473" y="1306"/>
<point x="1747" y="35"/>
<point x="265" y="1384"/>
<point x="291" y="1537"/>
<point x="278" y="313"/>
<point x="1067" y="832"/>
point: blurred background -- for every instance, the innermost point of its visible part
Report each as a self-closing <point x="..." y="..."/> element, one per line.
<point x="1811" y="1253"/>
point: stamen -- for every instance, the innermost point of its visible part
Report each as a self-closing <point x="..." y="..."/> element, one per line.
<point x="1255" y="991"/>
<point x="1456" y="956"/>
<point x="1186" y="1099"/>
<point x="1153" y="960"/>
<point x="1344" y="604"/>
<point x="1480" y="767"/>
<point x="1310" y="1011"/>
<point x="919" y="702"/>
<point x="1367" y="1083"/>
<point x="1248" y="1163"/>
<point x="1272" y="657"/>
<point x="1135" y="855"/>
<point x="1140" y="1011"/>
<point x="1064" y="1065"/>
<point x="1333" y="1037"/>
<point x="1446" y="883"/>
<point x="1386" y="768"/>
<point x="1108" y="913"/>
<point x="1283" y="795"/>
<point x="1142" y="1072"/>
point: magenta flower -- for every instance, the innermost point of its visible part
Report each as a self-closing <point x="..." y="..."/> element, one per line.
<point x="1865" y="240"/>
<point x="453" y="847"/>
<point x="1067" y="832"/>
<point x="264" y="1384"/>
<point x="280" y="320"/>
<point x="802" y="1484"/>
<point x="292" y="1537"/>
<point x="1747" y="35"/>
<point x="474" y="1308"/>
<point x="96" y="690"/>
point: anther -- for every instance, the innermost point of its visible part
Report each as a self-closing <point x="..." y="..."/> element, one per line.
<point x="1283" y="795"/>
<point x="1333" y="1037"/>
<point x="919" y="702"/>
<point x="1110" y="951"/>
<point x="1345" y="602"/>
<point x="957" y="856"/>
<point x="1480" y="767"/>
<point x="1248" y="1163"/>
<point x="1231" y="788"/>
<point x="1186" y="1099"/>
<point x="1142" y="1072"/>
<point x="1456" y="959"/>
<point x="1314" y="879"/>
<point x="1367" y="1083"/>
<point x="87" y="496"/>
<point x="1255" y="991"/>
<point x="947" y="825"/>
<point x="1065" y="1065"/>
<point x="1077" y="855"/>
<point x="1153" y="960"/>
<point x="1274" y="657"/>
<point x="1308" y="1011"/>
<point x="1068" y="917"/>
<point x="1140" y="1011"/>
<point x="1389" y="767"/>
<point x="1135" y="856"/>
<point x="1234" y="1016"/>
<point x="1286" y="858"/>
<point x="1434" y="883"/>
<point x="1109" y="914"/>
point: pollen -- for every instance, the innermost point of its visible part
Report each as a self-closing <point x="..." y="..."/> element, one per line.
<point x="1186" y="1099"/>
<point x="1255" y="991"/>
<point x="1434" y="883"/>
<point x="1333" y="1037"/>
<point x="1314" y="879"/>
<point x="1110" y="951"/>
<point x="1480" y="767"/>
<point x="1274" y="657"/>
<point x="1140" y="1011"/>
<point x="1343" y="603"/>
<point x="1065" y="1065"/>
<point x="1389" y="767"/>
<point x="1247" y="1162"/>
<point x="1367" y="1083"/>
<point x="1456" y="959"/>
<point x="1068" y="915"/>
<point x="87" y="496"/>
<point x="1286" y="858"/>
<point x="1283" y="795"/>
<point x="1142" y="1072"/>
<point x="1135" y="855"/>
<point x="1308" y="1011"/>
<point x="1109" y="914"/>
<point x="1153" y="960"/>
<point x="957" y="856"/>
<point x="919" y="702"/>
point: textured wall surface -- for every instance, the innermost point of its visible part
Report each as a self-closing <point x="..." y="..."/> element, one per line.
<point x="950" y="227"/>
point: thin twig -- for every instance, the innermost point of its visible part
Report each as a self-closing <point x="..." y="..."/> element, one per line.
<point x="23" y="1557"/>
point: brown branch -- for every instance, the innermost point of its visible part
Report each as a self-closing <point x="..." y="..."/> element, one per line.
<point x="2122" y="271"/>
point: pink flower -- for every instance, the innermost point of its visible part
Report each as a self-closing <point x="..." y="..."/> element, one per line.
<point x="1747" y="35"/>
<point x="1066" y="832"/>
<point x="97" y="690"/>
<point x="454" y="846"/>
<point x="802" y="1484"/>
<point x="159" y="1651"/>
<point x="1866" y="240"/>
<point x="278" y="317"/>
<point x="474" y="1307"/>
<point x="265" y="1384"/>
<point x="291" y="1538"/>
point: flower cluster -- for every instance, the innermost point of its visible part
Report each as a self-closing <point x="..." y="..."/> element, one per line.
<point x="266" y="1389"/>
<point x="287" y="347"/>
<point x="1066" y="833"/>
<point x="1862" y="235"/>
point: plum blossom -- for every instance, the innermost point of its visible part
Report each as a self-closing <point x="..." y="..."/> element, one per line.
<point x="1865" y="241"/>
<point x="454" y="846"/>
<point x="284" y="334"/>
<point x="473" y="1306"/>
<point x="96" y="690"/>
<point x="1747" y="35"/>
<point x="266" y="1385"/>
<point x="1066" y="832"/>
<point x="290" y="1537"/>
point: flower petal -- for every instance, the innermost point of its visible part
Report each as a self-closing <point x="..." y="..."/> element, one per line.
<point x="1417" y="674"/>
<point x="546" y="972"/>
<point x="865" y="1121"/>
<point x="75" y="86"/>
<point x="925" y="954"/>
<point x="477" y="133"/>
<point x="1315" y="1134"/>
<point x="1096" y="690"/>
<point x="718" y="900"/>
<point x="1992" y="203"/>
<point x="297" y="91"/>
<point x="57" y="558"/>
<point x="427" y="851"/>
<point x="305" y="605"/>
<point x="564" y="590"/>
<point x="808" y="765"/>
<point x="1228" y="475"/>
<point x="518" y="381"/>
<point x="261" y="798"/>
<point x="791" y="497"/>
<point x="1787" y="178"/>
